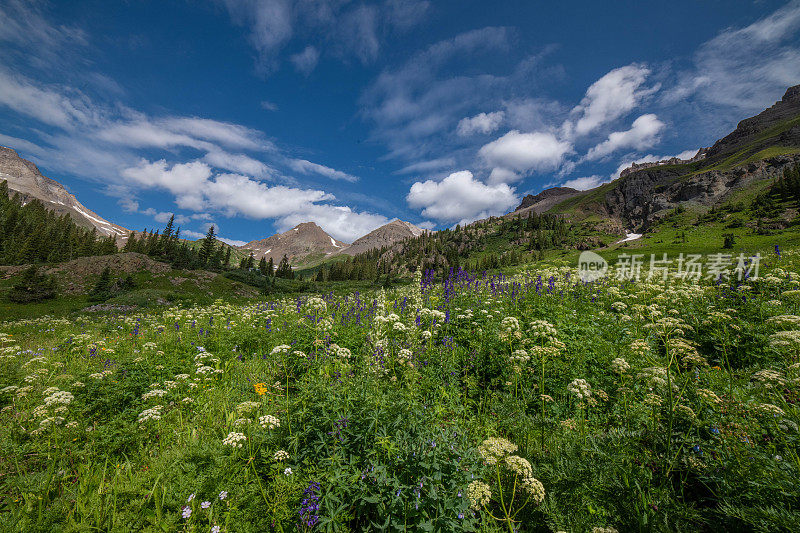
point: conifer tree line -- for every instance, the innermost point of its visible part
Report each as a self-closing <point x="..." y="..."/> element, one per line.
<point x="788" y="184"/>
<point x="31" y="233"/>
<point x="489" y="244"/>
<point x="167" y="246"/>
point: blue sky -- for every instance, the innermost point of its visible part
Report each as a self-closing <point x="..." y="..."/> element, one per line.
<point x="258" y="115"/>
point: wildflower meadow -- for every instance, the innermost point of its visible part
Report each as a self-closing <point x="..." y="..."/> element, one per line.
<point x="473" y="402"/>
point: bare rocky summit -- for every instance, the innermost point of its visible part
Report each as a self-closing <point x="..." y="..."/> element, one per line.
<point x="387" y="235"/>
<point x="303" y="242"/>
<point x="539" y="203"/>
<point x="24" y="177"/>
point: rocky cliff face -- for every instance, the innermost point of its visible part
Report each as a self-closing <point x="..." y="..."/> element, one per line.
<point x="753" y="133"/>
<point x="647" y="195"/>
<point x="386" y="235"/>
<point x="298" y="244"/>
<point x="644" y="194"/>
<point x="24" y="177"/>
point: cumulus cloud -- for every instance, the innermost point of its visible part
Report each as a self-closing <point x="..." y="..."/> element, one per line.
<point x="522" y="152"/>
<point x="609" y="98"/>
<point x="481" y="123"/>
<point x="307" y="167"/>
<point x="585" y="183"/>
<point x="340" y="222"/>
<point x="185" y="180"/>
<point x="306" y="61"/>
<point x="503" y="175"/>
<point x="460" y="198"/>
<point x="643" y="134"/>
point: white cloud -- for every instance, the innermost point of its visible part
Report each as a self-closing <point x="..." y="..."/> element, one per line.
<point x="609" y="98"/>
<point x="503" y="175"/>
<point x="234" y="194"/>
<point x="340" y="222"/>
<point x="47" y="104"/>
<point x="481" y="123"/>
<point x="270" y="23"/>
<point x="416" y="107"/>
<point x="238" y="163"/>
<point x="186" y="181"/>
<point x="232" y="242"/>
<point x="522" y="152"/>
<point x="26" y="26"/>
<point x="192" y="234"/>
<point x="306" y="61"/>
<point x="199" y="133"/>
<point x="428" y="166"/>
<point x="586" y="183"/>
<point x="748" y="68"/>
<point x="307" y="167"/>
<point x="459" y="197"/>
<point x="643" y="134"/>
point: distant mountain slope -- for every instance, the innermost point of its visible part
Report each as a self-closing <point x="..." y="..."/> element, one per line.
<point x="386" y="235"/>
<point x="543" y="201"/>
<point x="25" y="178"/>
<point x="760" y="148"/>
<point x="304" y="242"/>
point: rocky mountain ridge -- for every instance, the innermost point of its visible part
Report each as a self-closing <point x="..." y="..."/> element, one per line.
<point x="760" y="148"/>
<point x="297" y="244"/>
<point x="386" y="235"/>
<point x="24" y="178"/>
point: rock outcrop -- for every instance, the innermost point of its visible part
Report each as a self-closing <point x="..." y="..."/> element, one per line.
<point x="386" y="235"/>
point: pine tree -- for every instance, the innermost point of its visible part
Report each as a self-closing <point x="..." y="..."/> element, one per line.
<point x="33" y="287"/>
<point x="284" y="269"/>
<point x="207" y="247"/>
<point x="102" y="289"/>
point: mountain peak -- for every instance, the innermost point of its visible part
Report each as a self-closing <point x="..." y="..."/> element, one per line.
<point x="303" y="243"/>
<point x="544" y="200"/>
<point x="24" y="178"/>
<point x="395" y="231"/>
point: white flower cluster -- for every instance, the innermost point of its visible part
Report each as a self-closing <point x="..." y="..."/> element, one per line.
<point x="479" y="494"/>
<point x="317" y="305"/>
<point x="580" y="388"/>
<point x="495" y="448"/>
<point x="543" y="330"/>
<point x="269" y="422"/>
<point x="281" y="349"/>
<point x="280" y="456"/>
<point x="58" y="397"/>
<point x="155" y="393"/>
<point x="234" y="439"/>
<point x="620" y="366"/>
<point x="154" y="413"/>
<point x="520" y="356"/>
